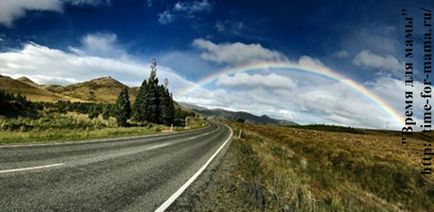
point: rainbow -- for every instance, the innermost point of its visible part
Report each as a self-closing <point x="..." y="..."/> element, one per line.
<point x="306" y="67"/>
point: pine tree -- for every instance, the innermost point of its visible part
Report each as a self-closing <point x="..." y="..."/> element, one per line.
<point x="163" y="103"/>
<point x="167" y="108"/>
<point x="141" y="103"/>
<point x="93" y="112"/>
<point x="106" y="112"/>
<point x="123" y="108"/>
<point x="171" y="110"/>
<point x="154" y="103"/>
<point x="151" y="104"/>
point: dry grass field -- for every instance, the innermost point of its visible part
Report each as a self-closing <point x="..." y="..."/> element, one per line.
<point x="293" y="169"/>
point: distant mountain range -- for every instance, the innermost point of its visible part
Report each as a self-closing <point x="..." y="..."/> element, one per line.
<point x="103" y="90"/>
<point x="231" y="115"/>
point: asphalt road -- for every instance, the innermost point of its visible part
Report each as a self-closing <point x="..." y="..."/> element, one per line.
<point x="136" y="174"/>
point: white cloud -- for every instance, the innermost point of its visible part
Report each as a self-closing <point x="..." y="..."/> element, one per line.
<point x="236" y="53"/>
<point x="101" y="45"/>
<point x="371" y="60"/>
<point x="183" y="9"/>
<point x="47" y="65"/>
<point x="392" y="90"/>
<point x="309" y="62"/>
<point x="256" y="80"/>
<point x="192" y="7"/>
<point x="165" y="17"/>
<point x="11" y="10"/>
<point x="380" y="39"/>
<point x="88" y="2"/>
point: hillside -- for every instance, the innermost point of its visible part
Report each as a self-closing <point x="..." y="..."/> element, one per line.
<point x="29" y="89"/>
<point x="248" y="117"/>
<point x="28" y="81"/>
<point x="104" y="90"/>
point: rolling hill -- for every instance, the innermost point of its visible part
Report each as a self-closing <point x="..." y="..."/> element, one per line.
<point x="30" y="89"/>
<point x="104" y="90"/>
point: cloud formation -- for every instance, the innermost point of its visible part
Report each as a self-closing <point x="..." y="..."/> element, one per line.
<point x="183" y="9"/>
<point x="192" y="7"/>
<point x="235" y="53"/>
<point x="388" y="63"/>
<point x="88" y="2"/>
<point x="256" y="80"/>
<point x="11" y="10"/>
<point x="165" y="17"/>
<point x="100" y="45"/>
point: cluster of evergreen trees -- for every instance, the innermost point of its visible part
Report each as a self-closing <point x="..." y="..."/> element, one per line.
<point x="14" y="105"/>
<point x="154" y="102"/>
<point x="93" y="110"/>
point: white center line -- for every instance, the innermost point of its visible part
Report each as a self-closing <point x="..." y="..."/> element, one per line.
<point x="31" y="168"/>
<point x="158" y="146"/>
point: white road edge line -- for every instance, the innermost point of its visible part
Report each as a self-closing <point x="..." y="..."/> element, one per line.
<point x="31" y="168"/>
<point x="178" y="193"/>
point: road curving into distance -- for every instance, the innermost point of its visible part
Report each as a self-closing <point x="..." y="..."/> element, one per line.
<point x="132" y="174"/>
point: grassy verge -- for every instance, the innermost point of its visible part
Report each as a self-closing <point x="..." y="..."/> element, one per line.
<point x="59" y="135"/>
<point x="196" y="122"/>
<point x="291" y="169"/>
<point x="71" y="127"/>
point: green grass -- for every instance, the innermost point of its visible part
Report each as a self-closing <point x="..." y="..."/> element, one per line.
<point x="56" y="127"/>
<point x="59" y="135"/>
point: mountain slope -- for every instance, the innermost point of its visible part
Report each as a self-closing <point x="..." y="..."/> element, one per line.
<point x="248" y="117"/>
<point x="27" y="81"/>
<point x="30" y="89"/>
<point x="104" y="89"/>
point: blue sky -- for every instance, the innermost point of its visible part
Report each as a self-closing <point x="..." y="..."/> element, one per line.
<point x="67" y="41"/>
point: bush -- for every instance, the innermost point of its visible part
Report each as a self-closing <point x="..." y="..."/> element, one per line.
<point x="16" y="105"/>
